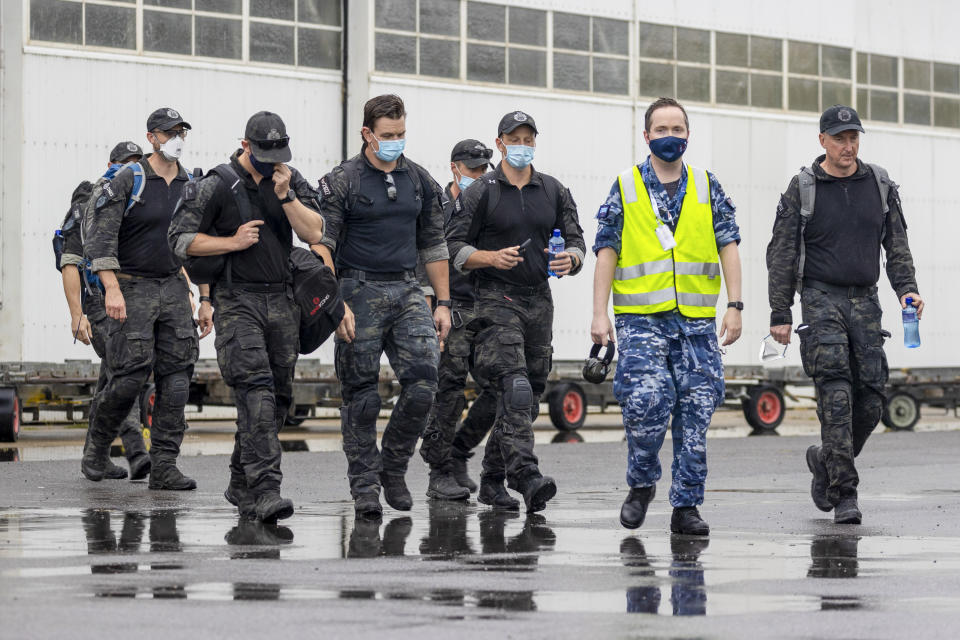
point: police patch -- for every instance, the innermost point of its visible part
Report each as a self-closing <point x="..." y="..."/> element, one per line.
<point x="520" y="116"/>
<point x="172" y="114"/>
<point x="190" y="191"/>
<point x="602" y="212"/>
<point x="782" y="211"/>
<point x="133" y="148"/>
<point x="107" y="189"/>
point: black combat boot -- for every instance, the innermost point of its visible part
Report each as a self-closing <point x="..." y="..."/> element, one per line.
<point x="93" y="465"/>
<point x="271" y="507"/>
<point x="139" y="466"/>
<point x="537" y="492"/>
<point x="847" y="512"/>
<point x="687" y="520"/>
<point x="496" y="495"/>
<point x="112" y="471"/>
<point x="634" y="508"/>
<point x="443" y="487"/>
<point x="367" y="506"/>
<point x="395" y="492"/>
<point x="818" y="486"/>
<point x="458" y="468"/>
<point x="240" y="496"/>
<point x="168" y="477"/>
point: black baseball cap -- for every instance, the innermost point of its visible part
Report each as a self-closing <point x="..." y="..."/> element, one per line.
<point x="840" y="118"/>
<point x="164" y="119"/>
<point x="125" y="150"/>
<point x="472" y="153"/>
<point x="513" y="120"/>
<point x="268" y="138"/>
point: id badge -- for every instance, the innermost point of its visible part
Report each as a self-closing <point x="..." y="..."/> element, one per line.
<point x="665" y="236"/>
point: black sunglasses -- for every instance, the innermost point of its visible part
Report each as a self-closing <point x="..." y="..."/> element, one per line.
<point x="474" y="153"/>
<point x="391" y="186"/>
<point x="277" y="143"/>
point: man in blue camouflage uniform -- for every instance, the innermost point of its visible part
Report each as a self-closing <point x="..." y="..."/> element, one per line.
<point x="669" y="360"/>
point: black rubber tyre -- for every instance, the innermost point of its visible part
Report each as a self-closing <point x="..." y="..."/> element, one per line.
<point x="764" y="409"/>
<point x="148" y="400"/>
<point x="9" y="415"/>
<point x="568" y="406"/>
<point x="902" y="411"/>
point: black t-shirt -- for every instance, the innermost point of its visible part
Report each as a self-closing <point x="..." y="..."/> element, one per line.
<point x="520" y="214"/>
<point x="380" y="234"/>
<point x="843" y="235"/>
<point x="267" y="260"/>
<point x="142" y="248"/>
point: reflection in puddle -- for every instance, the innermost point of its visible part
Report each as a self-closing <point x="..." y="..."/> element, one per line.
<point x="462" y="557"/>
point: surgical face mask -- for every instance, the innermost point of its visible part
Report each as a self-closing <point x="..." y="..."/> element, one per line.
<point x="172" y="149"/>
<point x="519" y="156"/>
<point x="389" y="150"/>
<point x="263" y="168"/>
<point x="668" y="149"/>
<point x="464" y="181"/>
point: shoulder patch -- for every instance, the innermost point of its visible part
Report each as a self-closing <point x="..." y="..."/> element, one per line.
<point x="108" y="190"/>
<point x="325" y="187"/>
<point x="782" y="211"/>
<point x="190" y="191"/>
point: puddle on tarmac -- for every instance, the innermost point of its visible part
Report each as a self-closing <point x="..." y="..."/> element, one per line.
<point x="99" y="552"/>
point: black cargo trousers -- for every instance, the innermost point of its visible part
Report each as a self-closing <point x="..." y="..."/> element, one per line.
<point x="159" y="337"/>
<point x="258" y="340"/>
<point x="841" y="345"/>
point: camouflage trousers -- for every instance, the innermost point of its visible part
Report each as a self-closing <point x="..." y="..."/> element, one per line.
<point x="157" y="337"/>
<point x="130" y="432"/>
<point x="513" y="351"/>
<point x="393" y="318"/>
<point x="442" y="440"/>
<point x="664" y="374"/>
<point x="842" y="350"/>
<point x="258" y="338"/>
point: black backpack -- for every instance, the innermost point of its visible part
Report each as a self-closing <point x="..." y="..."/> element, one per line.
<point x="317" y="293"/>
<point x="208" y="269"/>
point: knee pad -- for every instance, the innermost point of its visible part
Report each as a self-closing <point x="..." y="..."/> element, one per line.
<point x="175" y="389"/>
<point x="418" y="400"/>
<point x="366" y="406"/>
<point x="517" y="394"/>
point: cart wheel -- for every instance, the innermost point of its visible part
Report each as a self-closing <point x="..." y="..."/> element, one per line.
<point x="569" y="437"/>
<point x="296" y="416"/>
<point x="9" y="415"/>
<point x="568" y="406"/>
<point x="902" y="411"/>
<point x="764" y="409"/>
<point x="148" y="400"/>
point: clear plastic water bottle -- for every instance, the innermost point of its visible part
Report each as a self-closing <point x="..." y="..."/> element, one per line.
<point x="911" y="326"/>
<point x="556" y="245"/>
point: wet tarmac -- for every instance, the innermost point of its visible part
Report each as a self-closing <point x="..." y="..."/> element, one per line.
<point x="79" y="559"/>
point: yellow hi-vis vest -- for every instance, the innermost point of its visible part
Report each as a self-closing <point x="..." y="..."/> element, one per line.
<point x="649" y="279"/>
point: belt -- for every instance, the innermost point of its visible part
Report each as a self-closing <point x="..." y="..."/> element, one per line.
<point x="130" y="276"/>
<point x="258" y="287"/>
<point x="849" y="292"/>
<point x="378" y="276"/>
<point x="496" y="285"/>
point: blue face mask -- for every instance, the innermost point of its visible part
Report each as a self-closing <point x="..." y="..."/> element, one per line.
<point x="668" y="149"/>
<point x="519" y="156"/>
<point x="465" y="182"/>
<point x="389" y="150"/>
<point x="263" y="168"/>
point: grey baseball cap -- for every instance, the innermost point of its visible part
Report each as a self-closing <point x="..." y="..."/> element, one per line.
<point x="840" y="118"/>
<point x="125" y="150"/>
<point x="268" y="137"/>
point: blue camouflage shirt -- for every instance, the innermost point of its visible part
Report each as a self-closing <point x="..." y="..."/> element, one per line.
<point x="610" y="232"/>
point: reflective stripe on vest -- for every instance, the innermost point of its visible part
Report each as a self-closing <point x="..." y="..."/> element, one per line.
<point x="651" y="280"/>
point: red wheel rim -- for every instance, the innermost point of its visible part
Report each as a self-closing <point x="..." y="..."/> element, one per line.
<point x="769" y="407"/>
<point x="572" y="407"/>
<point x="151" y="400"/>
<point x="16" y="415"/>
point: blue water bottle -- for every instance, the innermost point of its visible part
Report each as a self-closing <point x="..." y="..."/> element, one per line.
<point x="556" y="245"/>
<point x="911" y="326"/>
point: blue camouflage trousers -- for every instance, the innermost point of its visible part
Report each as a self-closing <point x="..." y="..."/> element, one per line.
<point x="662" y="373"/>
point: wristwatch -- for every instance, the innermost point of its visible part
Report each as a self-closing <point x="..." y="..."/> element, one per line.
<point x="205" y="299"/>
<point x="291" y="196"/>
<point x="445" y="303"/>
<point x="735" y="305"/>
